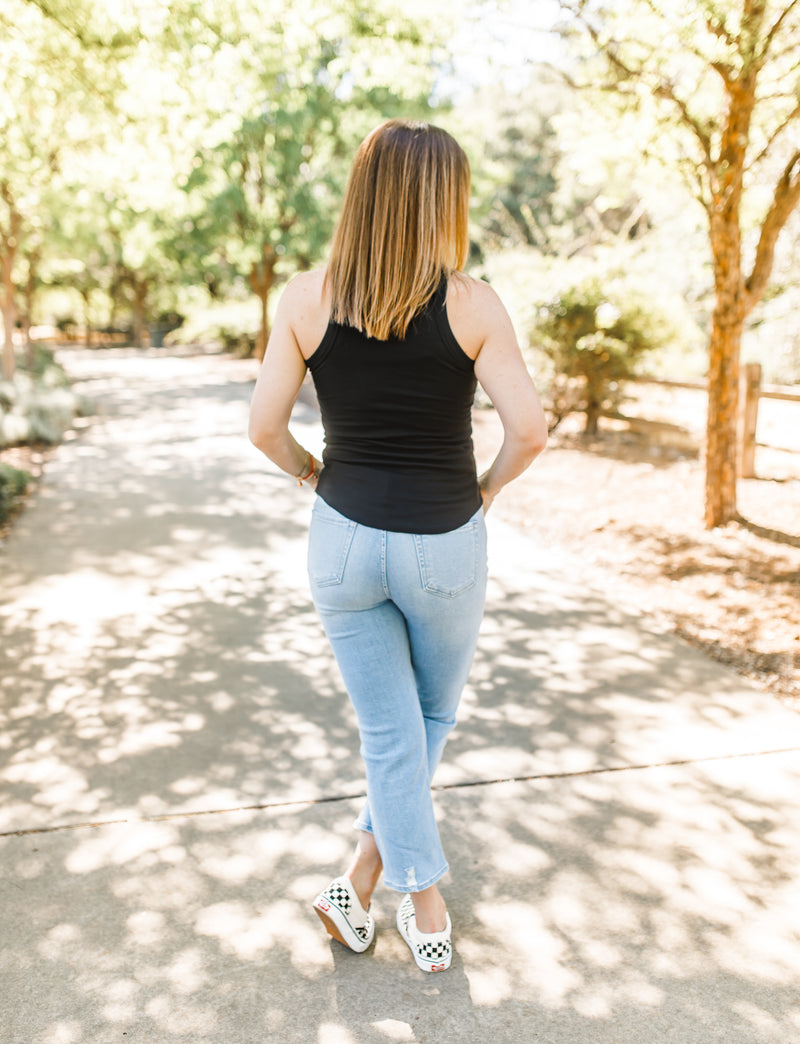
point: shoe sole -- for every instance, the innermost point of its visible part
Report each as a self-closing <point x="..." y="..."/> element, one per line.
<point x="327" y="913"/>
<point x="330" y="927"/>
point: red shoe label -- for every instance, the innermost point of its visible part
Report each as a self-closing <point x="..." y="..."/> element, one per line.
<point x="437" y="967"/>
<point x="322" y="905"/>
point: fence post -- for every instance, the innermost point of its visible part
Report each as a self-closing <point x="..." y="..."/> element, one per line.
<point x="749" y="389"/>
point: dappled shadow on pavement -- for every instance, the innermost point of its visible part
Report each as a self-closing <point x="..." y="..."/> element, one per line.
<point x="163" y="664"/>
<point x="584" y="909"/>
<point x="160" y="648"/>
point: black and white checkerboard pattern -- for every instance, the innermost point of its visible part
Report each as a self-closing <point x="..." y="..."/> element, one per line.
<point x="429" y="951"/>
<point x="434" y="951"/>
<point x="339" y="896"/>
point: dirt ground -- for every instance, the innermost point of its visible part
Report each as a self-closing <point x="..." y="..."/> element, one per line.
<point x="630" y="505"/>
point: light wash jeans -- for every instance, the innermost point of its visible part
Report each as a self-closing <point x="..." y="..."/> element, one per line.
<point x="402" y="613"/>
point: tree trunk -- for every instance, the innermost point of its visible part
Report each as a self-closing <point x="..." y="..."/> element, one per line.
<point x="141" y="288"/>
<point x="723" y="370"/>
<point x="8" y="252"/>
<point x="9" y="359"/>
<point x="721" y="423"/>
<point x="262" y="278"/>
<point x="592" y="418"/>
<point x="30" y="291"/>
<point x="9" y="309"/>
<point x="87" y="337"/>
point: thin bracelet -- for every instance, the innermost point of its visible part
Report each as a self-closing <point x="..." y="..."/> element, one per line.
<point x="312" y="469"/>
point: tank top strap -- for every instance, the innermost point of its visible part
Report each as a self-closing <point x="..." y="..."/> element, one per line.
<point x="439" y="295"/>
<point x="428" y="319"/>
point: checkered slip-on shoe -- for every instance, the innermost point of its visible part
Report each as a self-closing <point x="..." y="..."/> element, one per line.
<point x="343" y="915"/>
<point x="432" y="952"/>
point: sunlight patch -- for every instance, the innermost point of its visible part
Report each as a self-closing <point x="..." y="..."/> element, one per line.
<point x="395" y="1030"/>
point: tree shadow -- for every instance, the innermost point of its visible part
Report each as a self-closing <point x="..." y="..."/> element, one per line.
<point x="629" y="446"/>
<point x="163" y="666"/>
<point x="775" y="535"/>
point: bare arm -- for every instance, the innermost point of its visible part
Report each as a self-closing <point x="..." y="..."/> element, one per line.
<point x="279" y="380"/>
<point x="502" y="373"/>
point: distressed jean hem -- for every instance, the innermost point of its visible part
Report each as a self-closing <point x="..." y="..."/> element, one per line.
<point x="420" y="886"/>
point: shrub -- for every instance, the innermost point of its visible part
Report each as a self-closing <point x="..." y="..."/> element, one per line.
<point x="13" y="484"/>
<point x="39" y="361"/>
<point x="595" y="335"/>
<point x="37" y="405"/>
<point x="233" y="326"/>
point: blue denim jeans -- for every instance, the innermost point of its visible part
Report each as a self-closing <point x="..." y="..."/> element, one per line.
<point x="402" y="613"/>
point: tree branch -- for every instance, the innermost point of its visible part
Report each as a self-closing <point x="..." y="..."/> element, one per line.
<point x="718" y="28"/>
<point x="667" y="91"/>
<point x="753" y="17"/>
<point x="85" y="37"/>
<point x="784" y="200"/>
<point x="793" y="115"/>
<point x="774" y="29"/>
<point x="662" y="89"/>
<point x="725" y="70"/>
<point x="561" y="74"/>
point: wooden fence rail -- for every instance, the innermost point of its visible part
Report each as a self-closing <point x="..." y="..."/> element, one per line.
<point x="750" y="391"/>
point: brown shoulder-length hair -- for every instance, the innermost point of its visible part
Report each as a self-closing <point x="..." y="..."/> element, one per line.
<point x="403" y="227"/>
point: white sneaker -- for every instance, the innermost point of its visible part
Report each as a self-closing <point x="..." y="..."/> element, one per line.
<point x="432" y="951"/>
<point x="343" y="915"/>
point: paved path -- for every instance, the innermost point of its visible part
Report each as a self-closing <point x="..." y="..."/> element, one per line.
<point x="179" y="770"/>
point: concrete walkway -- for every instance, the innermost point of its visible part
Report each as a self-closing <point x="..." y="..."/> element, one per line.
<point x="179" y="770"/>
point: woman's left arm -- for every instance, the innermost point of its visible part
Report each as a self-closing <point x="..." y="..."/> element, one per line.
<point x="280" y="377"/>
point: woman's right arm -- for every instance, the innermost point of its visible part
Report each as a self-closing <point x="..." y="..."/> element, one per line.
<point x="502" y="373"/>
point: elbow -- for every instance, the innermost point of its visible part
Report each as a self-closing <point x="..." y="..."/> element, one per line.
<point x="262" y="436"/>
<point x="532" y="449"/>
<point x="539" y="442"/>
<point x="532" y="441"/>
<point x="255" y="434"/>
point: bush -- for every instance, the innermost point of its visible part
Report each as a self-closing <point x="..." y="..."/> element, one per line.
<point x="595" y="335"/>
<point x="233" y="326"/>
<point x="13" y="484"/>
<point x="37" y="405"/>
<point x="39" y="361"/>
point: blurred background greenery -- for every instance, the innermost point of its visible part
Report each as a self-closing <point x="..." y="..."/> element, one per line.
<point x="166" y="165"/>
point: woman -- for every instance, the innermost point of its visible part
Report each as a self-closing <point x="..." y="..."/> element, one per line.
<point x="395" y="336"/>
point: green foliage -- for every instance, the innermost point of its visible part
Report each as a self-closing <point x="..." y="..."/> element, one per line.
<point x="40" y="363"/>
<point x="231" y="325"/>
<point x="151" y="147"/>
<point x="595" y="334"/>
<point x="264" y="190"/>
<point x="37" y="405"/>
<point x="53" y="90"/>
<point x="13" y="484"/>
<point x="516" y="154"/>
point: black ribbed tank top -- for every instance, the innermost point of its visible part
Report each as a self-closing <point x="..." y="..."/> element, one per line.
<point x="398" y="425"/>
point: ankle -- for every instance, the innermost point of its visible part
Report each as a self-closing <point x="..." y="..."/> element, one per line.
<point x="363" y="885"/>
<point x="430" y="911"/>
<point x="363" y="873"/>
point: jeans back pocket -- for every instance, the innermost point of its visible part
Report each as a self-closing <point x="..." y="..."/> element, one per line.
<point x="449" y="562"/>
<point x="329" y="540"/>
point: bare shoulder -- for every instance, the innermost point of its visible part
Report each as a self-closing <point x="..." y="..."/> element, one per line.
<point x="473" y="311"/>
<point x="305" y="307"/>
<point x="305" y="285"/>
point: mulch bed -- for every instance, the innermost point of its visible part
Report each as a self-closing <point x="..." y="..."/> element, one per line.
<point x="632" y="512"/>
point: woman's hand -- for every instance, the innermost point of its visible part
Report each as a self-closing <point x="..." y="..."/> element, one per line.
<point x="318" y="466"/>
